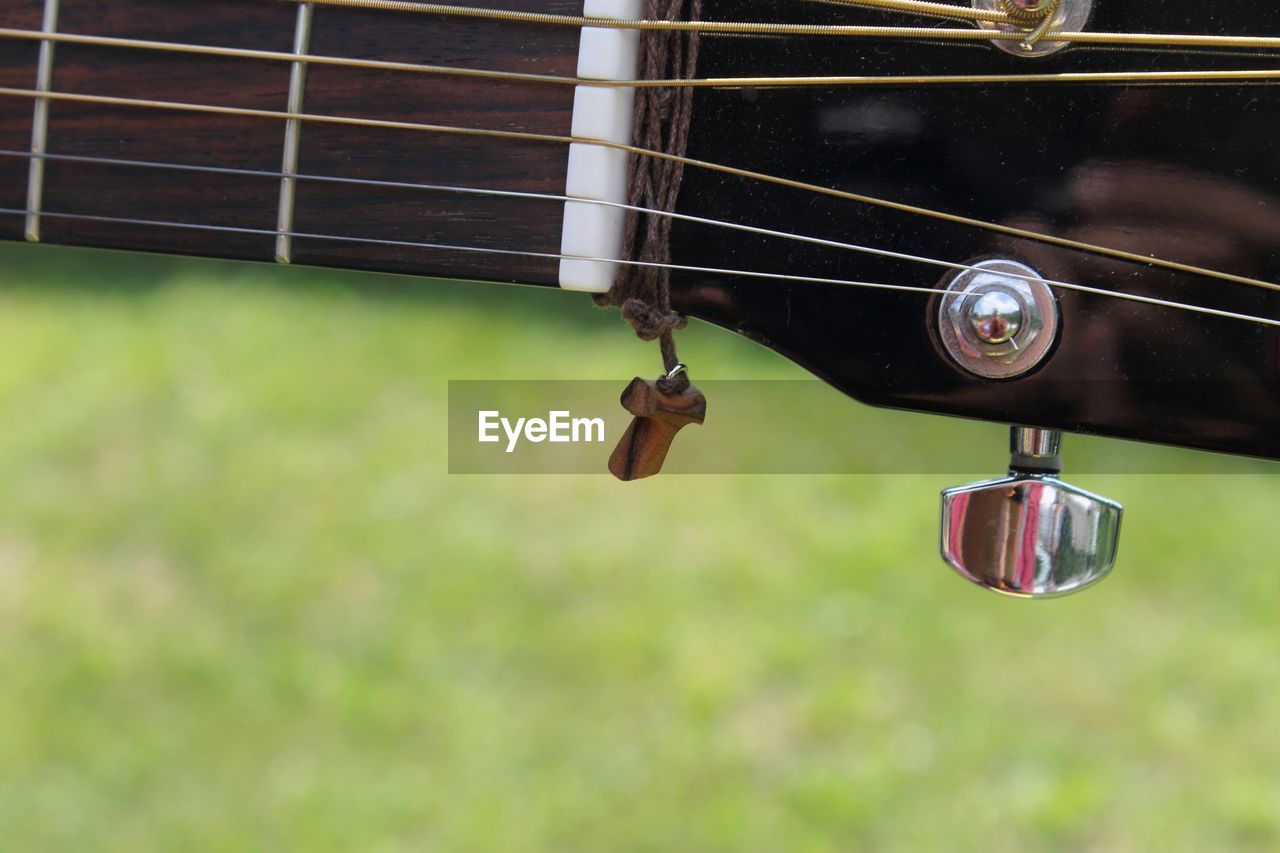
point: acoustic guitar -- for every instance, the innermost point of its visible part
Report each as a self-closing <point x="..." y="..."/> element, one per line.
<point x="1061" y="215"/>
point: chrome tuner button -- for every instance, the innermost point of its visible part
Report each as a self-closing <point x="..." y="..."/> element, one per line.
<point x="1072" y="17"/>
<point x="1030" y="535"/>
<point x="997" y="320"/>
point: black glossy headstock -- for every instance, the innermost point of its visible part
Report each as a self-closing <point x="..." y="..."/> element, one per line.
<point x="1187" y="173"/>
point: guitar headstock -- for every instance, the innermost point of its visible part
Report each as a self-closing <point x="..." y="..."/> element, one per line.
<point x="1096" y="256"/>
<point x="1183" y="353"/>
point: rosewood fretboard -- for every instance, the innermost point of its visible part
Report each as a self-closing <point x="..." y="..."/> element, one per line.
<point x="71" y="190"/>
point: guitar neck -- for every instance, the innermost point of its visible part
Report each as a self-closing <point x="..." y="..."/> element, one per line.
<point x="118" y="165"/>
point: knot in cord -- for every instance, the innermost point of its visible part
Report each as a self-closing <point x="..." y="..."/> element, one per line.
<point x="1037" y="19"/>
<point x="650" y="321"/>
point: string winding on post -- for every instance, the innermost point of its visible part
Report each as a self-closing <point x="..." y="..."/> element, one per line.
<point x="1038" y="18"/>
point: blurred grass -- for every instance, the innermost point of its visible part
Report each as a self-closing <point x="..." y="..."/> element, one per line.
<point x="243" y="607"/>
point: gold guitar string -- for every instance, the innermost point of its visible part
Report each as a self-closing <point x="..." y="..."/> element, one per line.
<point x="1218" y="77"/>
<point x="699" y="26"/>
<point x="1027" y="18"/>
<point x="923" y="7"/>
<point x="900" y="207"/>
<point x="828" y="30"/>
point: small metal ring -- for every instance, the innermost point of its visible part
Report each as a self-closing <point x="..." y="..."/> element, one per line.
<point x="676" y="371"/>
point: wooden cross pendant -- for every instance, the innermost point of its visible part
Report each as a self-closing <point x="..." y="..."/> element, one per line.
<point x="658" y="417"/>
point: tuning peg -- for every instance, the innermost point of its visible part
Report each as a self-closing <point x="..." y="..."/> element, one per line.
<point x="1029" y="534"/>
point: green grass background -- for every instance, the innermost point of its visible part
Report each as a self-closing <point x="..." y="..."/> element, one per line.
<point x="243" y="606"/>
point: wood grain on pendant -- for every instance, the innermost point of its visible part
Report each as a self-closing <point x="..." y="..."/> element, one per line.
<point x="658" y="418"/>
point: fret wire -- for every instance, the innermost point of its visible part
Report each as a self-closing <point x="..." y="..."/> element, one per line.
<point x="293" y="133"/>
<point x="720" y="168"/>
<point x="1220" y="77"/>
<point x="234" y="229"/>
<point x="40" y="125"/>
<point x="829" y="30"/>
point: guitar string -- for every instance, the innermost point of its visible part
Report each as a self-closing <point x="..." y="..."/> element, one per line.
<point x="923" y="7"/>
<point x="899" y="207"/>
<point x="959" y="13"/>
<point x="487" y="250"/>
<point x="333" y="238"/>
<point x="1217" y="77"/>
<point x="989" y="16"/>
<point x="768" y="232"/>
<point x="827" y="30"/>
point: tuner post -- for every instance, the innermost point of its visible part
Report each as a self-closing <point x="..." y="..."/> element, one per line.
<point x="995" y="317"/>
<point x="998" y="319"/>
<point x="1034" y="23"/>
